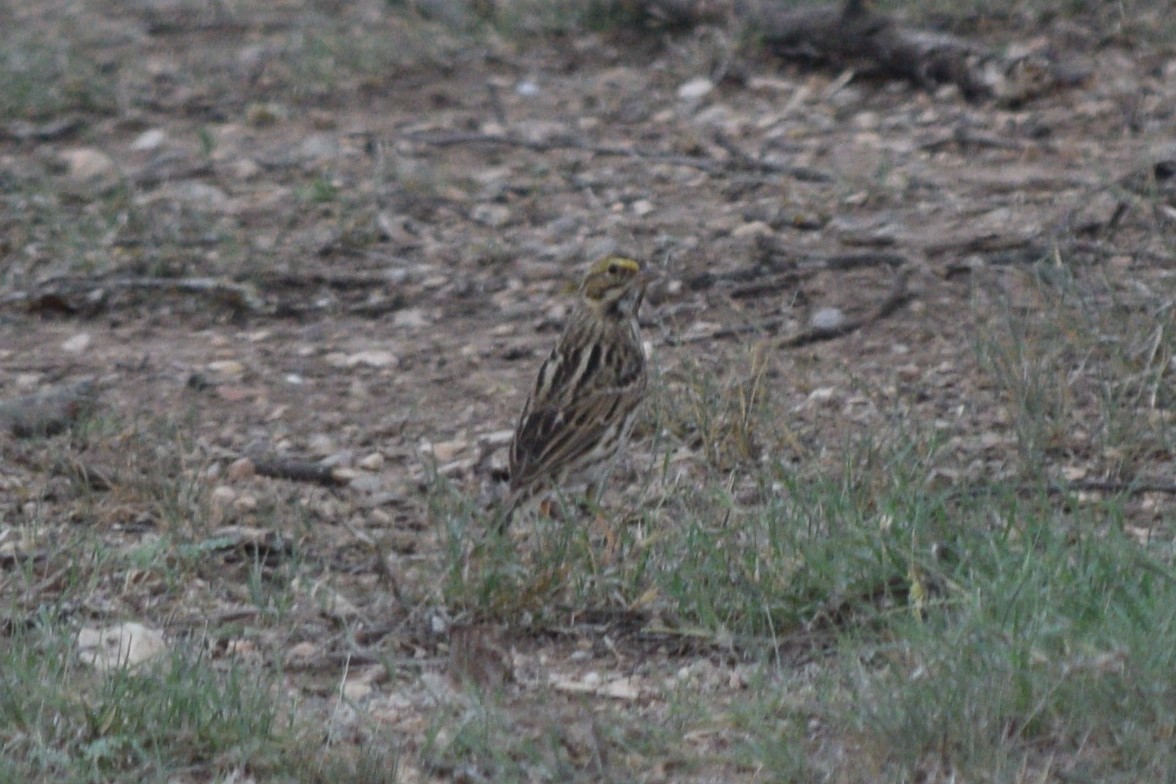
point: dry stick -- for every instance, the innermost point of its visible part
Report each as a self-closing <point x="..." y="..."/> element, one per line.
<point x="744" y="162"/>
<point x="850" y="33"/>
<point x="297" y="471"/>
<point x="93" y="293"/>
<point x="1110" y="486"/>
<point x="95" y="290"/>
<point x="94" y="477"/>
<point x="895" y="298"/>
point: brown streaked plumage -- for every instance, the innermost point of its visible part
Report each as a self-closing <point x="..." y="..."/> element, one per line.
<point x="588" y="390"/>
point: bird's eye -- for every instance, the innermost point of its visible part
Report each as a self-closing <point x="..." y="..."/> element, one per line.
<point x="612" y="269"/>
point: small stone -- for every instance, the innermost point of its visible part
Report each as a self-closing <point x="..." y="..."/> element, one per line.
<point x="365" y="483"/>
<point x="318" y="146"/>
<point x="222" y="497"/>
<point x="302" y="653"/>
<point x="827" y="319"/>
<point x="241" y="470"/>
<point x="123" y="645"/>
<point x="86" y="164"/>
<point x="77" y="344"/>
<point x="642" y="207"/>
<point x="226" y="367"/>
<point x="445" y="451"/>
<point x="752" y="229"/>
<point x="373" y="358"/>
<point x="245" y="503"/>
<point x="244" y="168"/>
<point x="823" y="395"/>
<point x="411" y="318"/>
<point x="492" y="215"/>
<point x="372" y="462"/>
<point x="320" y="444"/>
<point x="695" y="89"/>
<point x="149" y="140"/>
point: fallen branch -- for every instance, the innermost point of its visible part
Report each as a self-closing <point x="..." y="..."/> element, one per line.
<point x="48" y="412"/>
<point x="92" y="295"/>
<point x="852" y="35"/>
<point x="1112" y="486"/>
<point x="895" y="298"/>
<point x="298" y="470"/>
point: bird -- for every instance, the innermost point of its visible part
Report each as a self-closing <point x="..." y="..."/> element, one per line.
<point x="587" y="393"/>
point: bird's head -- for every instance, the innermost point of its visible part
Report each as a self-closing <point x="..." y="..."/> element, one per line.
<point x="614" y="283"/>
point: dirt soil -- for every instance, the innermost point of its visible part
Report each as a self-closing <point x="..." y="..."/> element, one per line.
<point x="411" y="271"/>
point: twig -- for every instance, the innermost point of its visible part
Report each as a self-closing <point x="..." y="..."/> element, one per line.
<point x="895" y="298"/>
<point x="297" y="470"/>
<point x="91" y="294"/>
<point x="1112" y="486"/>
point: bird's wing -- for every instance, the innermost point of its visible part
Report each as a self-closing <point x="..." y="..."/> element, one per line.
<point x="550" y="438"/>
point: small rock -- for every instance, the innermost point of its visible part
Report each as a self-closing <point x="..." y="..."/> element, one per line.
<point x="149" y="140"/>
<point x="86" y="164"/>
<point x="366" y="483"/>
<point x="241" y="470"/>
<point x="320" y="444"/>
<point x="695" y="89"/>
<point x="752" y="229"/>
<point x="245" y="503"/>
<point x="527" y="88"/>
<point x="642" y="207"/>
<point x="120" y="646"/>
<point x="372" y="358"/>
<point x="412" y="318"/>
<point x="318" y="146"/>
<point x="823" y="395"/>
<point x="222" y="497"/>
<point x="244" y="168"/>
<point x="827" y="319"/>
<point x="226" y="367"/>
<point x="445" y="451"/>
<point x="302" y="653"/>
<point x="372" y="462"/>
<point x="356" y="689"/>
<point x="492" y="215"/>
<point x="77" y="344"/>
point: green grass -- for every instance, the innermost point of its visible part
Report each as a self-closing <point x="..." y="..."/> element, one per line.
<point x="60" y="721"/>
<point x="1083" y="368"/>
<point x="46" y="76"/>
<point x="181" y="715"/>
